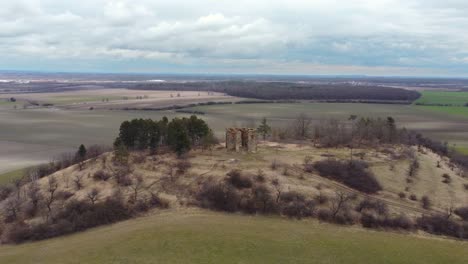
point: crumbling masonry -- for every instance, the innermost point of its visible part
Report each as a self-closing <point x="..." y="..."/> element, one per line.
<point x="241" y="139"/>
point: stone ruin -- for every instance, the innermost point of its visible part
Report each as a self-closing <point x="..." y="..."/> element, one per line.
<point x="238" y="139"/>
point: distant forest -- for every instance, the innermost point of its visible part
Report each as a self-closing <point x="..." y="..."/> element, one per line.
<point x="291" y="91"/>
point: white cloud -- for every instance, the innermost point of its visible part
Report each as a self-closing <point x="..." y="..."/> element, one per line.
<point x="357" y="33"/>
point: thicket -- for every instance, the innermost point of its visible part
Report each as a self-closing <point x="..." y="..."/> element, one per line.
<point x="351" y="173"/>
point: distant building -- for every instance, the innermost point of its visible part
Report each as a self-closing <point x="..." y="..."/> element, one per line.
<point x="238" y="139"/>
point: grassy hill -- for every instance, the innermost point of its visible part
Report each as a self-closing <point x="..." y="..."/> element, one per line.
<point x="195" y="236"/>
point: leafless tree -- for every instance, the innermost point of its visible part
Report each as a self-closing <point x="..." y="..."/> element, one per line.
<point x="18" y="183"/>
<point x="301" y="126"/>
<point x="277" y="186"/>
<point x="12" y="209"/>
<point x="339" y="202"/>
<point x="34" y="194"/>
<point x="77" y="180"/>
<point x="93" y="195"/>
<point x="136" y="186"/>
<point x="51" y="189"/>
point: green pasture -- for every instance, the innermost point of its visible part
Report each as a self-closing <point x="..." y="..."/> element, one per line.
<point x="206" y="237"/>
<point x="443" y="97"/>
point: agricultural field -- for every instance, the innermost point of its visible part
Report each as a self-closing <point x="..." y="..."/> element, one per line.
<point x="32" y="136"/>
<point x="196" y="236"/>
<point x="113" y="99"/>
<point x="454" y="98"/>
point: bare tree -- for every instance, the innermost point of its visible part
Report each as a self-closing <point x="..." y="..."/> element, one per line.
<point x="136" y="186"/>
<point x="339" y="202"/>
<point x="301" y="126"/>
<point x="34" y="195"/>
<point x="12" y="209"/>
<point x="93" y="195"/>
<point x="18" y="183"/>
<point x="77" y="180"/>
<point x="277" y="186"/>
<point x="51" y="189"/>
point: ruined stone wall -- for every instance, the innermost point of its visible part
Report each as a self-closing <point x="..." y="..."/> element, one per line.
<point x="233" y="139"/>
<point x="241" y="139"/>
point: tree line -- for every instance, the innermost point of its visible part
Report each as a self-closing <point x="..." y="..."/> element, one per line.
<point x="291" y="91"/>
<point x="179" y="134"/>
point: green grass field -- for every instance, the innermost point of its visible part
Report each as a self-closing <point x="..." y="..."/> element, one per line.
<point x="450" y="110"/>
<point x="11" y="175"/>
<point x="443" y="97"/>
<point x="205" y="237"/>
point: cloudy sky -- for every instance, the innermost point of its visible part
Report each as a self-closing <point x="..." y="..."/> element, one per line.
<point x="374" y="37"/>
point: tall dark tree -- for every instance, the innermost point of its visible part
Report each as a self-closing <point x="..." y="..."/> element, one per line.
<point x="177" y="136"/>
<point x="264" y="129"/>
<point x="196" y="128"/>
<point x="81" y="156"/>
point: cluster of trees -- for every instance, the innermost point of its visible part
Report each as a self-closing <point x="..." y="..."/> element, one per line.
<point x="290" y="90"/>
<point x="180" y="134"/>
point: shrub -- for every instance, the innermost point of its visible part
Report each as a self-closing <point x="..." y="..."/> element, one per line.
<point x="440" y="225"/>
<point x="75" y="216"/>
<point x="426" y="203"/>
<point x="5" y="191"/>
<point x="101" y="175"/>
<point x="138" y="159"/>
<point x="462" y="212"/>
<point x="447" y="179"/>
<point x="64" y="195"/>
<point x="274" y="165"/>
<point x="372" y="205"/>
<point x="157" y="201"/>
<point x="399" y="222"/>
<point x="219" y="197"/>
<point x="321" y="198"/>
<point x="260" y="177"/>
<point x="236" y="179"/>
<point x="324" y="215"/>
<point x="308" y="165"/>
<point x="402" y="195"/>
<point x="353" y="174"/>
<point x="183" y="166"/>
<point x="413" y="197"/>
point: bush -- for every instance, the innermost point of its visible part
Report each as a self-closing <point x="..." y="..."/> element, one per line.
<point x="236" y="179"/>
<point x="447" y="179"/>
<point x="101" y="175"/>
<point x="219" y="197"/>
<point x="75" y="216"/>
<point x="183" y="166"/>
<point x="440" y="225"/>
<point x="413" y="197"/>
<point x="353" y="174"/>
<point x="426" y="203"/>
<point x="400" y="222"/>
<point x="372" y="205"/>
<point x="5" y="191"/>
<point x="462" y="212"/>
<point x="402" y="195"/>
<point x="324" y="215"/>
<point x="64" y="195"/>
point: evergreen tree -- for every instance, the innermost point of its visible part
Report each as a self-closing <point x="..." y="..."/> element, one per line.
<point x="120" y="152"/>
<point x="264" y="129"/>
<point x="81" y="155"/>
<point x="178" y="137"/>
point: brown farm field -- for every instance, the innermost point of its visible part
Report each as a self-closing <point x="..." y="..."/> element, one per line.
<point x="34" y="135"/>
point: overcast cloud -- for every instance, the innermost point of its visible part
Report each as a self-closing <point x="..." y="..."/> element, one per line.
<point x="376" y="37"/>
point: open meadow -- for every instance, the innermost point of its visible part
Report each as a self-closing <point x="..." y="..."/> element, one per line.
<point x="196" y="236"/>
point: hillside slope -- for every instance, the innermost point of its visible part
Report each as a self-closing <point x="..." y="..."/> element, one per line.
<point x="194" y="236"/>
